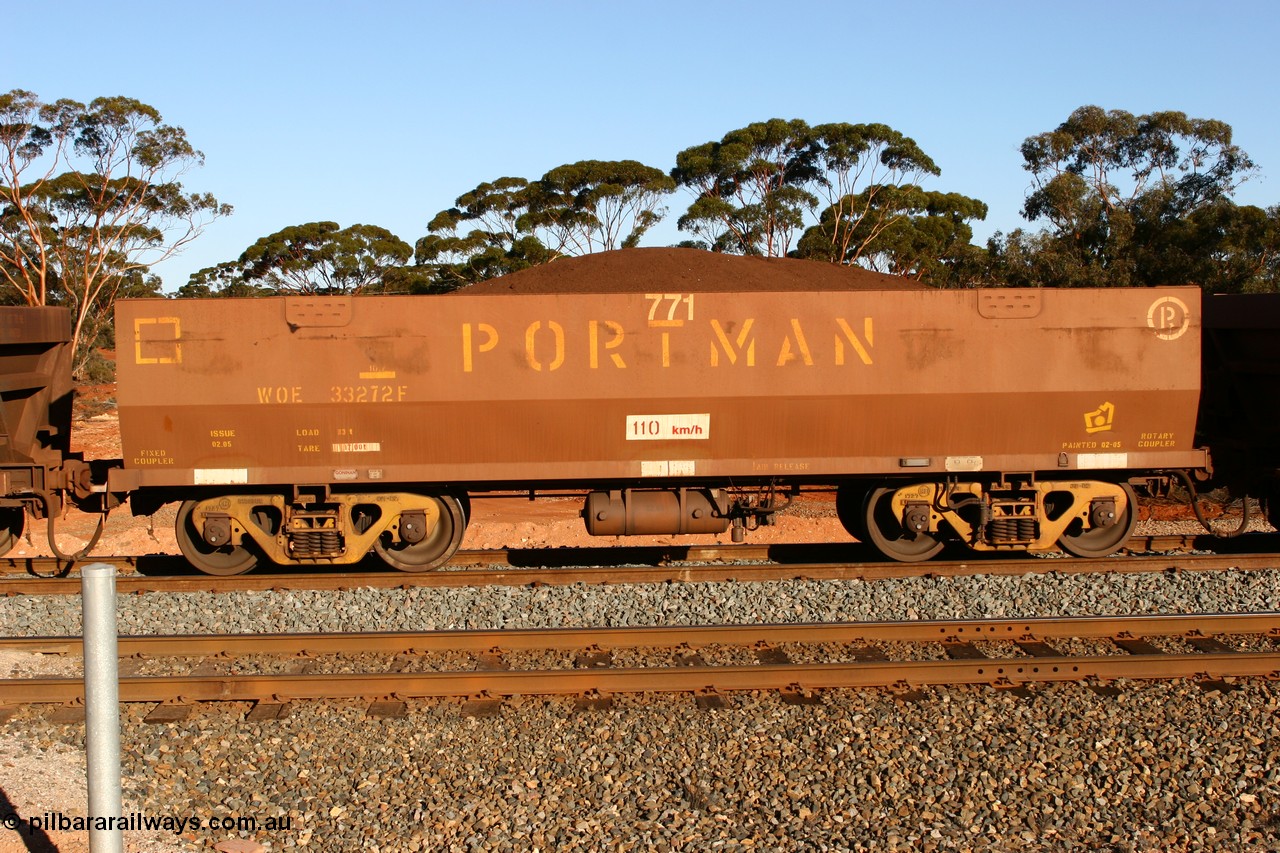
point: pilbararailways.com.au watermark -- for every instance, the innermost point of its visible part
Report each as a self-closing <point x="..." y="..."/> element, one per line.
<point x="139" y="822"/>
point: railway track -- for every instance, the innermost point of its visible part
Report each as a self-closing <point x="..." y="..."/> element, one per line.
<point x="673" y="564"/>
<point x="709" y="662"/>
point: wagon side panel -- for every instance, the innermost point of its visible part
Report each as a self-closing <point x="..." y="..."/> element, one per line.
<point x="485" y="391"/>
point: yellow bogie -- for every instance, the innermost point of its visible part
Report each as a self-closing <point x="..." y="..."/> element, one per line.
<point x="1088" y="518"/>
<point x="410" y="531"/>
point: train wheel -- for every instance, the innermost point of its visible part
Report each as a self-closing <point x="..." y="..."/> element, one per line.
<point x="1103" y="541"/>
<point x="226" y="560"/>
<point x="849" y="501"/>
<point x="885" y="531"/>
<point x="436" y="548"/>
<point x="12" y="521"/>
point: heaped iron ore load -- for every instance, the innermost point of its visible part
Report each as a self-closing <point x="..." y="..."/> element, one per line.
<point x="683" y="391"/>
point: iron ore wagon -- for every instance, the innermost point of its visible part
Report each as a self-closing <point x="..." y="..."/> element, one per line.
<point x="317" y="429"/>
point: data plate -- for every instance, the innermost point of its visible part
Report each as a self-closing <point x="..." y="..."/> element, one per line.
<point x="668" y="427"/>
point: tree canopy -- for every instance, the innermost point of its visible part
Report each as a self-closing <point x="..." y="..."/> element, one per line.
<point x="499" y="241"/>
<point x="90" y="199"/>
<point x="313" y="258"/>
<point x="755" y="189"/>
<point x="574" y="209"/>
<point x="904" y="230"/>
<point x="598" y="206"/>
<point x="1137" y="200"/>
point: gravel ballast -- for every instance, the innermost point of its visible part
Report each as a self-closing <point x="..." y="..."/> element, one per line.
<point x="1159" y="767"/>
<point x="365" y="609"/>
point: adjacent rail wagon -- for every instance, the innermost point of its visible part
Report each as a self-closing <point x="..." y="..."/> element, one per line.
<point x="1240" y="408"/>
<point x="36" y="467"/>
<point x="315" y="430"/>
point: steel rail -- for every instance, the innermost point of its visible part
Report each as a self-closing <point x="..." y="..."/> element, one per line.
<point x="696" y="636"/>
<point x="696" y="679"/>
<point x="632" y="574"/>
<point x="968" y="666"/>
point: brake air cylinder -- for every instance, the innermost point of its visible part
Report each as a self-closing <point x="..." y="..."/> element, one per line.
<point x="652" y="511"/>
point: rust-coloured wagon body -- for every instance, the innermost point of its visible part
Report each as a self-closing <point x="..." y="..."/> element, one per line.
<point x="35" y="417"/>
<point x="574" y="388"/>
<point x="35" y="389"/>
<point x="961" y="413"/>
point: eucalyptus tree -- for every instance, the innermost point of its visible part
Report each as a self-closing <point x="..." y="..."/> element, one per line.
<point x="752" y="188"/>
<point x="225" y="279"/>
<point x="320" y="257"/>
<point x="483" y="236"/>
<point x="757" y="187"/>
<point x="312" y="258"/>
<point x="90" y="198"/>
<point x="598" y="205"/>
<point x="512" y="223"/>
<point x="901" y="230"/>
<point x="1222" y="247"/>
<point x="1112" y="187"/>
<point x="870" y="177"/>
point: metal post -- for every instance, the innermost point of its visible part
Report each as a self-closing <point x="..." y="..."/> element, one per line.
<point x="102" y="705"/>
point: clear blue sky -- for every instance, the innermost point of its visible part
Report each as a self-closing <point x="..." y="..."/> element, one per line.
<point x="384" y="112"/>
